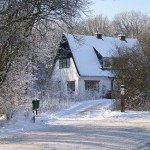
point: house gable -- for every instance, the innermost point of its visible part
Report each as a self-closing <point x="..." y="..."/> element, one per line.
<point x="65" y="52"/>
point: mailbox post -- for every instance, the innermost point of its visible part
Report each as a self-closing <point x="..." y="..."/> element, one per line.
<point x="122" y="92"/>
<point x="35" y="106"/>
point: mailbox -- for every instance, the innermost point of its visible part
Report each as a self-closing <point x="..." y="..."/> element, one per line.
<point x="35" y="105"/>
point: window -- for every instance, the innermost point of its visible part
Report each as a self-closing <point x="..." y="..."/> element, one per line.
<point x="92" y="85"/>
<point x="107" y="63"/>
<point x="64" y="63"/>
<point x="71" y="86"/>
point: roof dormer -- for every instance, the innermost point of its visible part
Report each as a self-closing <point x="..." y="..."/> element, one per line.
<point x="122" y="37"/>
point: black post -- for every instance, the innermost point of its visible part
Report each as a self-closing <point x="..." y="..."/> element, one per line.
<point x="36" y="111"/>
<point x="33" y="119"/>
<point x="35" y="106"/>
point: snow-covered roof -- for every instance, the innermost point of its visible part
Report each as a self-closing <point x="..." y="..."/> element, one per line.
<point x="82" y="48"/>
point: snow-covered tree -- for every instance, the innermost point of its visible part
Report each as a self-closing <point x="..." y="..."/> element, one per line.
<point x="20" y="49"/>
<point x="94" y="25"/>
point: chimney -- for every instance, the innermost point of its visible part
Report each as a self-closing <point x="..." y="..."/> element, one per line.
<point x="98" y="35"/>
<point x="122" y="37"/>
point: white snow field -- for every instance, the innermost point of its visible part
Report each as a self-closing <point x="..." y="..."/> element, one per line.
<point x="88" y="125"/>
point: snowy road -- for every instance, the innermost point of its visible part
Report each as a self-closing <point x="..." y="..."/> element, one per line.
<point x="89" y="125"/>
<point x="131" y="134"/>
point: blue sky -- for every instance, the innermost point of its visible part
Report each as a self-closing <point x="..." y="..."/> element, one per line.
<point x="111" y="7"/>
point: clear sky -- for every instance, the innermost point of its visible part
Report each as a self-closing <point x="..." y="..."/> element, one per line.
<point x="111" y="7"/>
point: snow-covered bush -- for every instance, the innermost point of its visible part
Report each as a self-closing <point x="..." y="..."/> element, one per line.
<point x="58" y="99"/>
<point x="22" y="115"/>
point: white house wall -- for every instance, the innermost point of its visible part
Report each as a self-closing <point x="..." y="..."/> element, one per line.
<point x="104" y="84"/>
<point x="66" y="74"/>
<point x="71" y="74"/>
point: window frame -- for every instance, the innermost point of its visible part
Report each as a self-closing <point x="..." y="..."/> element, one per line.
<point x="64" y="63"/>
<point x="71" y="86"/>
<point x="106" y="61"/>
<point x="92" y="85"/>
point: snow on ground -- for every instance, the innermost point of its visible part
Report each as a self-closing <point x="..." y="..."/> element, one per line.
<point x="22" y="122"/>
<point x="87" y="110"/>
<point x="88" y="125"/>
<point x="91" y="109"/>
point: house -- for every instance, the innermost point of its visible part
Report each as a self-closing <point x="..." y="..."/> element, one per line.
<point x="83" y="63"/>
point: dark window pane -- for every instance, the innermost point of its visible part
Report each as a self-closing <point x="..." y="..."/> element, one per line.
<point x="106" y="63"/>
<point x="92" y="85"/>
<point x="64" y="63"/>
<point x="71" y="86"/>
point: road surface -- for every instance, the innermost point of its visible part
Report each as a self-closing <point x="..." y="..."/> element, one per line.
<point x="110" y="134"/>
